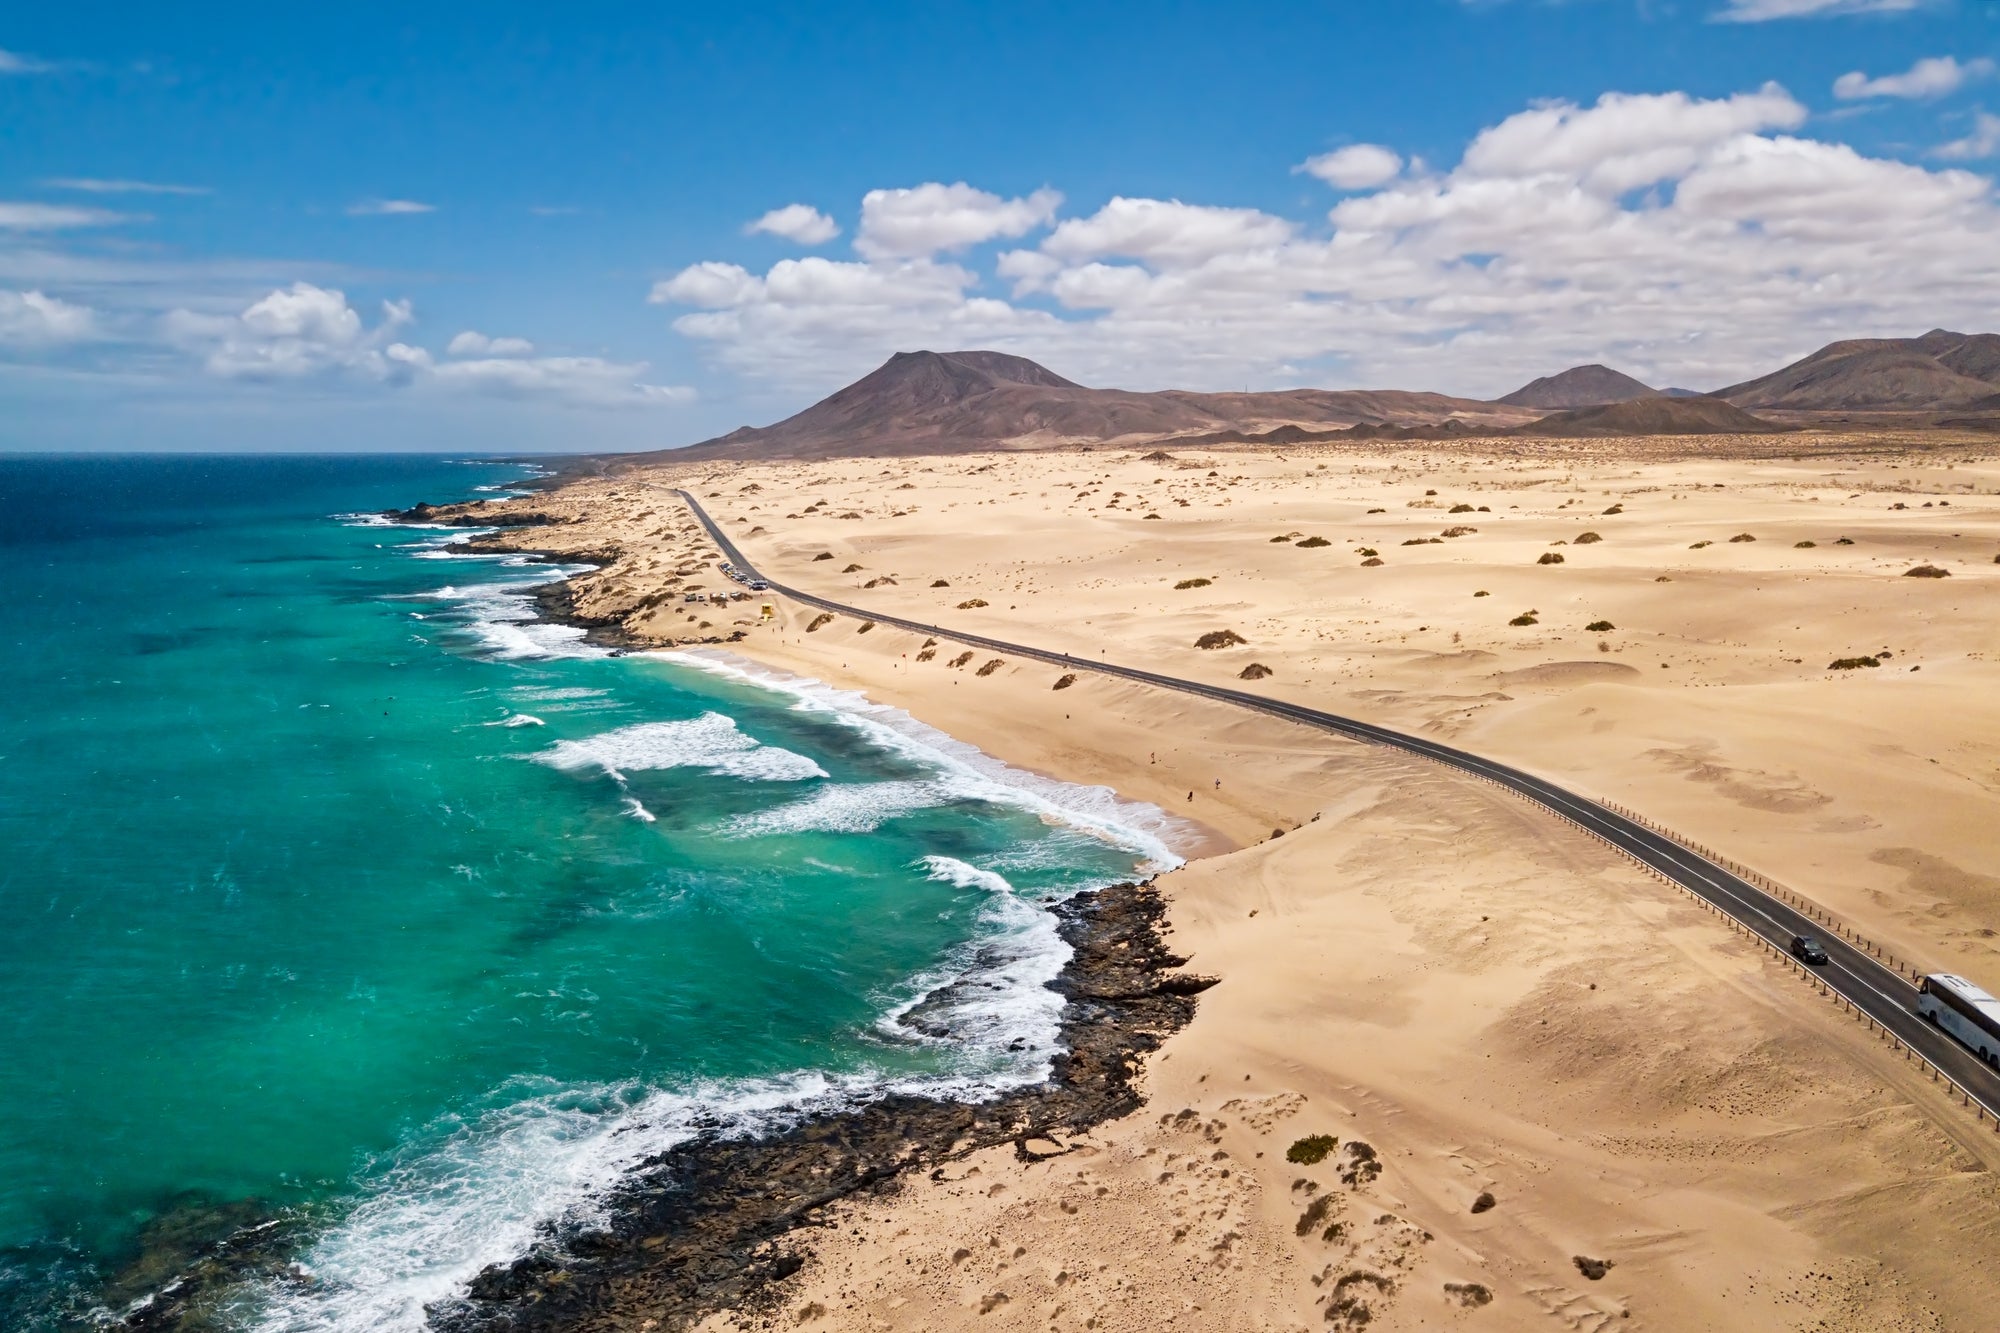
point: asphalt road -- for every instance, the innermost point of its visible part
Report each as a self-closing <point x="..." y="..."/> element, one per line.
<point x="1870" y="986"/>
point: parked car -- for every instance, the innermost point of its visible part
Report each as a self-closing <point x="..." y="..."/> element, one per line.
<point x="1808" y="950"/>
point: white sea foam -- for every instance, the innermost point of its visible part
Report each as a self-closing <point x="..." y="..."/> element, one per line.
<point x="962" y="771"/>
<point x="855" y="807"/>
<point x="710" y="742"/>
<point x="519" y="720"/>
<point x="637" y="810"/>
<point x="502" y="617"/>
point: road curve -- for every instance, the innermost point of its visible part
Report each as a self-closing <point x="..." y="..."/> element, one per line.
<point x="1871" y="987"/>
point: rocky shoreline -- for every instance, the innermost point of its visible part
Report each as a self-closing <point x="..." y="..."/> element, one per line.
<point x="719" y="1222"/>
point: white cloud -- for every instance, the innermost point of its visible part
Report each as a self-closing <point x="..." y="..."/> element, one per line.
<point x="1984" y="141"/>
<point x="57" y="217"/>
<point x="92" y="185"/>
<point x="1165" y="231"/>
<point x="1931" y="77"/>
<point x="1361" y="166"/>
<point x="1763" y="11"/>
<point x="578" y="381"/>
<point x="384" y="208"/>
<point x="797" y="222"/>
<point x="1694" y="241"/>
<point x="916" y="223"/>
<point x="13" y="62"/>
<point x="473" y="343"/>
<point x="31" y="319"/>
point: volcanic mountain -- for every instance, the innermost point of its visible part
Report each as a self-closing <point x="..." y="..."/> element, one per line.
<point x="1579" y="386"/>
<point x="1657" y="415"/>
<point x="1939" y="370"/>
<point x="947" y="402"/>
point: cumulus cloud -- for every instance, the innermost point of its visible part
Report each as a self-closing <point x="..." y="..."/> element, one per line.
<point x="1693" y="240"/>
<point x="1361" y="166"/>
<point x="796" y="222"/>
<point x="56" y="217"/>
<point x="388" y="208"/>
<point x="474" y="343"/>
<point x="307" y="332"/>
<point x="1932" y="77"/>
<point x="1984" y="141"/>
<point x="31" y="319"/>
<point x="919" y="222"/>
<point x="1763" y="11"/>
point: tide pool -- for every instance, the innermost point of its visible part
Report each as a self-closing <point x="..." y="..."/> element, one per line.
<point x="337" y="887"/>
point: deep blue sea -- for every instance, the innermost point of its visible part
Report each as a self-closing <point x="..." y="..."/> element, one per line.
<point x="334" y="885"/>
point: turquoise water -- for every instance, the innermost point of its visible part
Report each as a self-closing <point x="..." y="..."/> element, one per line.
<point x="335" y="882"/>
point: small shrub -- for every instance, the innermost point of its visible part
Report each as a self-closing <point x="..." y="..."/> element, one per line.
<point x="852" y="569"/>
<point x="1152" y="516"/>
<point x="1852" y="663"/>
<point x="1485" y="1202"/>
<point x="1460" y="531"/>
<point x="1469" y="1295"/>
<point x="1378" y="511"/>
<point x="824" y="555"/>
<point x="1743" y="537"/>
<point x="960" y="660"/>
<point x="1525" y="618"/>
<point x="1220" y="638"/>
<point x="1926" y="572"/>
<point x="1312" y="1149"/>
<point x="1696" y="546"/>
<point x="1594" y="1269"/>
<point x="972" y="604"/>
<point x="928" y="643"/>
<point x="927" y="654"/>
<point x="1550" y="558"/>
<point x="1845" y="541"/>
<point x="1367" y="550"/>
<point x="1804" y="546"/>
<point x="1255" y="671"/>
<point x="1185" y="584"/>
<point x="1485" y="509"/>
<point x="990" y="667"/>
<point x="1315" y="541"/>
<point x="866" y="625"/>
<point x="1586" y="538"/>
<point x="850" y="514"/>
<point x="1064" y="682"/>
<point x="1281" y="539"/>
<point x="1430" y="492"/>
<point x="1416" y="541"/>
<point x="1482" y="593"/>
<point x="1371" y="561"/>
<point x="1615" y="509"/>
<point x="1599" y="626"/>
<point x="939" y="583"/>
<point x="823" y="618"/>
<point x="1459" y="509"/>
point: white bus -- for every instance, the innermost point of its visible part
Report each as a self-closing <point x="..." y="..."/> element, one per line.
<point x="1963" y="1010"/>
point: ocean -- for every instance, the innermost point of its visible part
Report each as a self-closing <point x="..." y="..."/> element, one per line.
<point x="338" y="888"/>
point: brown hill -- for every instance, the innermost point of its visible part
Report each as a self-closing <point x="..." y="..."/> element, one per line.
<point x="1939" y="370"/>
<point x="1579" y="386"/>
<point x="943" y="402"/>
<point x="1651" y="416"/>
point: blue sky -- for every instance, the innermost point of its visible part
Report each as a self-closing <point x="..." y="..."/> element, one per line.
<point x="528" y="227"/>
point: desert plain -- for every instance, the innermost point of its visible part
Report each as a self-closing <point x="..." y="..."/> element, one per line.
<point x="1552" y="1091"/>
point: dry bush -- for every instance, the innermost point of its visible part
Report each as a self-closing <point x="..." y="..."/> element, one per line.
<point x="926" y="654"/>
<point x="1366" y="550"/>
<point x="1315" y="541"/>
<point x="1064" y="682"/>
<point x="972" y="604"/>
<point x="1482" y="593"/>
<point x="960" y="660"/>
<point x="823" y="618"/>
<point x="990" y="667"/>
<point x="1185" y="584"/>
<point x="1926" y="572"/>
<point x="866" y="625"/>
<point x="1743" y="537"/>
<point x="939" y="583"/>
<point x="1852" y="663"/>
<point x="852" y="569"/>
<point x="1550" y="558"/>
<point x="1804" y="546"/>
<point x="1615" y="509"/>
<point x="1696" y="546"/>
<point x="1598" y="627"/>
<point x="824" y="555"/>
<point x="1220" y="638"/>
<point x="1525" y="618"/>
<point x="1460" y="531"/>
<point x="1371" y="561"/>
<point x="1459" y="509"/>
<point x="1312" y="1149"/>
<point x="1255" y="671"/>
<point x="1586" y="538"/>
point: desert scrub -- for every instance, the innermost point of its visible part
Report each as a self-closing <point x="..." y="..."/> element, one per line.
<point x="823" y="618"/>
<point x="1525" y="618"/>
<point x="1696" y="546"/>
<point x="1852" y="663"/>
<point x="866" y="625"/>
<point x="1255" y="671"/>
<point x="1315" y="541"/>
<point x="1220" y="638"/>
<point x="1371" y="562"/>
<point x="1367" y="550"/>
<point x="1586" y="538"/>
<point x="1615" y="509"/>
<point x="824" y="555"/>
<point x="990" y="667"/>
<point x="1550" y="558"/>
<point x="1804" y="546"/>
<point x="1063" y="682"/>
<point x="972" y="604"/>
<point x="852" y="569"/>
<point x="939" y="583"/>
<point x="1598" y="626"/>
<point x="1743" y="537"/>
<point x="1460" y="531"/>
<point x="1926" y="572"/>
<point x="1482" y="593"/>
<point x="960" y="660"/>
<point x="1460" y="509"/>
<point x="1185" y="584"/>
<point x="1312" y="1149"/>
<point x="926" y="654"/>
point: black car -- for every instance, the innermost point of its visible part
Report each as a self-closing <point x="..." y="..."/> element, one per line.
<point x="1808" y="950"/>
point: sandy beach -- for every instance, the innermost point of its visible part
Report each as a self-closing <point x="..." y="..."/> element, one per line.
<point x="1555" y="1088"/>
